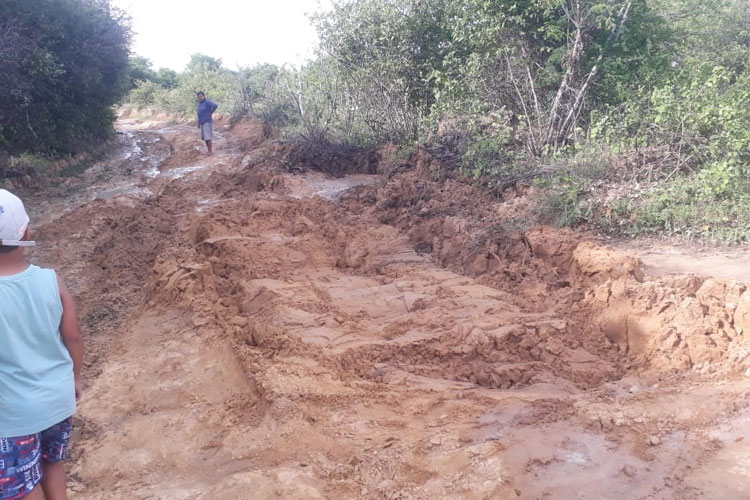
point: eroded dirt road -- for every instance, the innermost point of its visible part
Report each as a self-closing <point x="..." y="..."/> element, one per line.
<point x="256" y="333"/>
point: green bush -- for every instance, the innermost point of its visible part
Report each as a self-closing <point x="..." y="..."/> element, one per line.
<point x="488" y="156"/>
<point x="64" y="64"/>
<point x="254" y="91"/>
<point x="680" y="209"/>
<point x="144" y="95"/>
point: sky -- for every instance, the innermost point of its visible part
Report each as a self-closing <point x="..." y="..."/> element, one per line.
<point x="239" y="32"/>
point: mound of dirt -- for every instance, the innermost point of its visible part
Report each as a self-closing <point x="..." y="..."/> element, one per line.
<point x="676" y="324"/>
<point x="236" y="262"/>
<point x="664" y="326"/>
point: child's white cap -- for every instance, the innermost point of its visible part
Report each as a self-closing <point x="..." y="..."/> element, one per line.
<point x="13" y="221"/>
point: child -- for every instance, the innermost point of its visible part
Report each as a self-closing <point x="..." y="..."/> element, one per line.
<point x="41" y="354"/>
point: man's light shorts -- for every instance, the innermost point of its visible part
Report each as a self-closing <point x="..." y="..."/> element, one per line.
<point x="207" y="131"/>
<point x="21" y="458"/>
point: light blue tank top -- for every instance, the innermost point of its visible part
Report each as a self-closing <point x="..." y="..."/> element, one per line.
<point x="37" y="388"/>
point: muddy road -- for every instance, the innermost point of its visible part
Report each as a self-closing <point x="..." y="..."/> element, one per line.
<point x="260" y="332"/>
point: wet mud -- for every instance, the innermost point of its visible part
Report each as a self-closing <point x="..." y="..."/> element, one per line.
<point x="258" y="331"/>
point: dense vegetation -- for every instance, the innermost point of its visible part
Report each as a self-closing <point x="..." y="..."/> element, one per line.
<point x="256" y="91"/>
<point x="633" y="115"/>
<point x="64" y="65"/>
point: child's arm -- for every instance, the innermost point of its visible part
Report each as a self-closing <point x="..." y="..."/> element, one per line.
<point x="71" y="333"/>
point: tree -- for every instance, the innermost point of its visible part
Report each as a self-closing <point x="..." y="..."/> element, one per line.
<point x="65" y="63"/>
<point x="167" y="78"/>
<point x="387" y="53"/>
<point x="540" y="60"/>
<point x="140" y="69"/>
<point x="202" y="61"/>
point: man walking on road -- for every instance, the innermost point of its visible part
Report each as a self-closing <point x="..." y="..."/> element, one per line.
<point x="206" y="109"/>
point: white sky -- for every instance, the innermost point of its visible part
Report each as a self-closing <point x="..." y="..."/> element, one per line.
<point x="239" y="32"/>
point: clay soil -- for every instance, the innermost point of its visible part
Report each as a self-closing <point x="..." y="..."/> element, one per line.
<point x="258" y="329"/>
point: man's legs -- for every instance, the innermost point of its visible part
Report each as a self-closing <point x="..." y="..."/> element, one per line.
<point x="207" y="134"/>
<point x="53" y="481"/>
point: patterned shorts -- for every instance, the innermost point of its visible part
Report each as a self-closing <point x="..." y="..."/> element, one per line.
<point x="21" y="458"/>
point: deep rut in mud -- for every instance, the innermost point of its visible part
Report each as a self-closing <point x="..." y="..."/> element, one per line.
<point x="258" y="334"/>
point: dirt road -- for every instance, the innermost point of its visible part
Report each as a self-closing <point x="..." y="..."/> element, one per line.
<point x="256" y="333"/>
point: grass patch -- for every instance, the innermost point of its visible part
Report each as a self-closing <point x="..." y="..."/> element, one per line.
<point x="685" y="208"/>
<point x="78" y="168"/>
<point x="682" y="209"/>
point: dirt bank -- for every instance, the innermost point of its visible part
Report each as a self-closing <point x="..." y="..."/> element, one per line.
<point x="265" y="334"/>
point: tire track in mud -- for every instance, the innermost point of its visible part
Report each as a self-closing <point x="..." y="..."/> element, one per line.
<point x="284" y="340"/>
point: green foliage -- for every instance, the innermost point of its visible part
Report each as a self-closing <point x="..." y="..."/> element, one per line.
<point x="202" y="63"/>
<point x="144" y="94"/>
<point x="712" y="204"/>
<point x="35" y="161"/>
<point x="64" y="65"/>
<point x="409" y="65"/>
<point x="260" y="94"/>
<point x="167" y="78"/>
<point x="563" y="203"/>
<point x="252" y="91"/>
<point x="488" y="156"/>
<point x="680" y="209"/>
<point x="701" y="114"/>
<point x="683" y="128"/>
<point x="140" y="69"/>
<point x="385" y="54"/>
<point x="205" y="76"/>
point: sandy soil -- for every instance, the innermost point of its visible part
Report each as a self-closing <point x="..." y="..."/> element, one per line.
<point x="255" y="333"/>
<point x="662" y="259"/>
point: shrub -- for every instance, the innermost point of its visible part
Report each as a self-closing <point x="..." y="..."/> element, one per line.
<point x="64" y="65"/>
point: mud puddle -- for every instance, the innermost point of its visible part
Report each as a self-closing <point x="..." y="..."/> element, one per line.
<point x="318" y="184"/>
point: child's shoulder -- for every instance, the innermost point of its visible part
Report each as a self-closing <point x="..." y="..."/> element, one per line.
<point x="43" y="272"/>
<point x="42" y="269"/>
